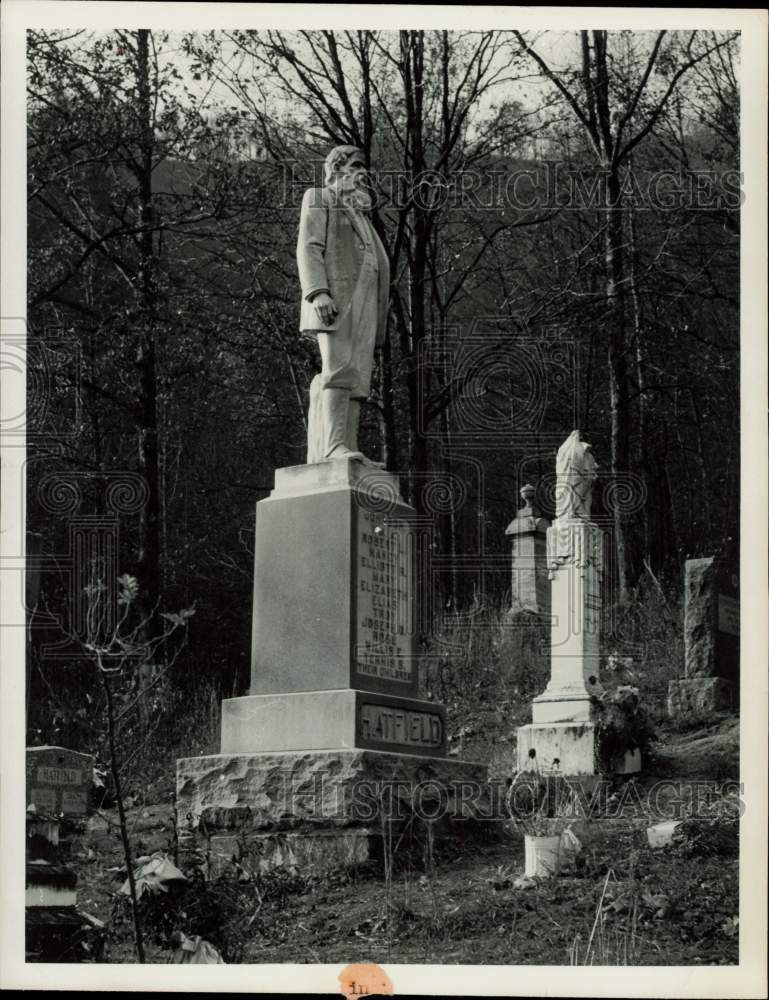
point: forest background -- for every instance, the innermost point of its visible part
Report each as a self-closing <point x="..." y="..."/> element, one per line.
<point x="562" y="218"/>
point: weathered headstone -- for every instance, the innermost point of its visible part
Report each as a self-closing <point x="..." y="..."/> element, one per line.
<point x="333" y="698"/>
<point x="59" y="781"/>
<point x="711" y="639"/>
<point x="529" y="583"/>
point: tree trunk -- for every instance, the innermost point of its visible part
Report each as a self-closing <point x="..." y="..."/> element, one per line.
<point x="115" y="770"/>
<point x="387" y="416"/>
<point x="618" y="387"/>
<point x="640" y="367"/>
<point x="146" y="361"/>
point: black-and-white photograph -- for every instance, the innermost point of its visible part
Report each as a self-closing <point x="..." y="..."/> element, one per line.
<point x="381" y="488"/>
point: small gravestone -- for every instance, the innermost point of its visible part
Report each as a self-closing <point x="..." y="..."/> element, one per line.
<point x="711" y="639"/>
<point x="59" y="780"/>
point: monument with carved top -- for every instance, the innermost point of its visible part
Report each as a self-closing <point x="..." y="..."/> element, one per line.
<point x="561" y="735"/>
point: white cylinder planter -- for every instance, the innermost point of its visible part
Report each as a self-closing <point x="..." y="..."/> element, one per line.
<point x="542" y="855"/>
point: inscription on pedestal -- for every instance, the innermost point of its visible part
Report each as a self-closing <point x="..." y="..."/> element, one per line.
<point x="381" y="724"/>
<point x="384" y="581"/>
<point x="328" y="720"/>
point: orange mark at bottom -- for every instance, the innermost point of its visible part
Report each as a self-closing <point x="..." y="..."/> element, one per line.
<point x="363" y="979"/>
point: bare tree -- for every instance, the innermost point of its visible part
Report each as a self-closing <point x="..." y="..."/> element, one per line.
<point x="117" y="651"/>
<point x="422" y="107"/>
<point x="617" y="113"/>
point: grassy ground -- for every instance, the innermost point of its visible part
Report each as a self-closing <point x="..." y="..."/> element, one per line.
<point x="625" y="904"/>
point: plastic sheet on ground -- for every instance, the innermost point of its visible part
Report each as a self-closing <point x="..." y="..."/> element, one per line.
<point x="195" y="951"/>
<point x="153" y="874"/>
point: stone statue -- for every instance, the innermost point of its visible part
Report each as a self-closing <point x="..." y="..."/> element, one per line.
<point x="345" y="279"/>
<point x="575" y="471"/>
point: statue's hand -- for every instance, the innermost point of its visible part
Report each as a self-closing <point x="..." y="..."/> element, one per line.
<point x="325" y="308"/>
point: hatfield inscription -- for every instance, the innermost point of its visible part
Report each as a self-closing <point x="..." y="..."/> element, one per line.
<point x="407" y="727"/>
<point x="385" y="599"/>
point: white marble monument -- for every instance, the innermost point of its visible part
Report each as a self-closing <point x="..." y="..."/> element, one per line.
<point x="561" y="732"/>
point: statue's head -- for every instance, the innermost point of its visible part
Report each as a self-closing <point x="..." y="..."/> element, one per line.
<point x="345" y="170"/>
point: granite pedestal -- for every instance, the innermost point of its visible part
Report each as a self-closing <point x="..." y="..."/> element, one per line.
<point x="334" y="676"/>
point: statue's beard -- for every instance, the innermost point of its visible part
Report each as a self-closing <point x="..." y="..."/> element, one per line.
<point x="351" y="193"/>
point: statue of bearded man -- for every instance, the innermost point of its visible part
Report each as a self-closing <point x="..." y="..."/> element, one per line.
<point x="575" y="472"/>
<point x="345" y="277"/>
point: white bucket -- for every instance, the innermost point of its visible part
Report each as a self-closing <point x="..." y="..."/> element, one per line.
<point x="542" y="855"/>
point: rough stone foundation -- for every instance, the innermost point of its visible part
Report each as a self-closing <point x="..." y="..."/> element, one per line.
<point x="321" y="810"/>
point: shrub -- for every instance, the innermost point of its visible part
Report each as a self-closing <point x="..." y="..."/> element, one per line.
<point x="621" y="724"/>
<point x="714" y="831"/>
<point x="229" y="911"/>
<point x="704" y="838"/>
<point x="647" y="635"/>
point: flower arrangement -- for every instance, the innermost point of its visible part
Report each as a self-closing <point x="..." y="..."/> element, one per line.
<point x="621" y="724"/>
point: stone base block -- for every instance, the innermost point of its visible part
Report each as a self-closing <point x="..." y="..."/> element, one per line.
<point x="319" y="810"/>
<point x="570" y="748"/>
<point x="562" y="705"/>
<point x="329" y="720"/>
<point x="700" y="696"/>
<point x="567" y="746"/>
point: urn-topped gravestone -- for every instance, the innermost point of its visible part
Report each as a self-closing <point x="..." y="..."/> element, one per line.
<point x="529" y="584"/>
